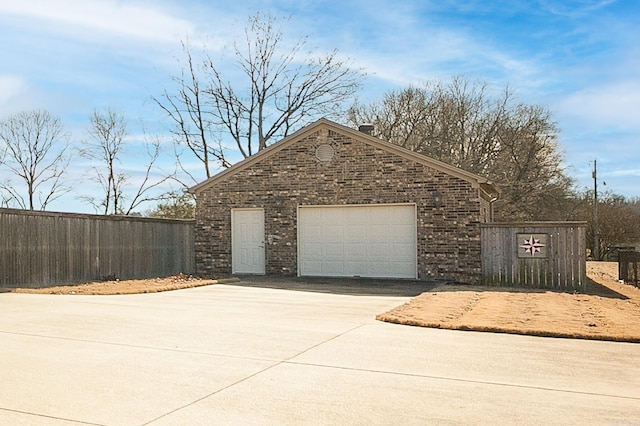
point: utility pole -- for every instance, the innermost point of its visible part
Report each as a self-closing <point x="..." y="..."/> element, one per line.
<point x="596" y="230"/>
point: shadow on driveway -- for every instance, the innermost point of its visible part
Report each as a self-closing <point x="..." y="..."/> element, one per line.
<point x="348" y="286"/>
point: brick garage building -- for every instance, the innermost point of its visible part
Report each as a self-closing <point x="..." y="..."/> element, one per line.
<point x="333" y="201"/>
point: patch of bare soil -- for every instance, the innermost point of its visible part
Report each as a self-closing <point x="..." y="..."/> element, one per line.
<point x="152" y="285"/>
<point x="608" y="310"/>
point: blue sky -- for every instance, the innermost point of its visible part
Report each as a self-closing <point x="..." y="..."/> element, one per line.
<point x="579" y="58"/>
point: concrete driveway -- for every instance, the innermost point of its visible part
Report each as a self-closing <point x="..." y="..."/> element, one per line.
<point x="236" y="354"/>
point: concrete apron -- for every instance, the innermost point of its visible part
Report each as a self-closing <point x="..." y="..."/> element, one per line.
<point x="245" y="354"/>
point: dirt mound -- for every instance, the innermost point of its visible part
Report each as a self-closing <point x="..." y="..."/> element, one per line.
<point x="609" y="310"/>
<point x="151" y="285"/>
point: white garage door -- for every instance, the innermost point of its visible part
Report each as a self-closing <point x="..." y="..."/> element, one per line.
<point x="364" y="241"/>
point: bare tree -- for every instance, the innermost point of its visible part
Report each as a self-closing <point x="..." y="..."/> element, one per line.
<point x="192" y="125"/>
<point x="463" y="124"/>
<point x="105" y="148"/>
<point x="36" y="151"/>
<point x="618" y="221"/>
<point x="457" y="123"/>
<point x="5" y="199"/>
<point x="280" y="88"/>
<point x="283" y="88"/>
<point x="107" y="131"/>
<point x="529" y="168"/>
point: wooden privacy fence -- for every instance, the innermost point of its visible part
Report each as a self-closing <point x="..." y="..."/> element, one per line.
<point x="628" y="266"/>
<point x="40" y="249"/>
<point x="534" y="254"/>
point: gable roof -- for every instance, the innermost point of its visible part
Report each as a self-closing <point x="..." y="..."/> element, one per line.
<point x="477" y="181"/>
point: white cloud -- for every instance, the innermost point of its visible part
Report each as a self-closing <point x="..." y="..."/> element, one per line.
<point x="13" y="90"/>
<point x="10" y="87"/>
<point x="634" y="172"/>
<point x="574" y="8"/>
<point x="127" y="19"/>
<point x="443" y="54"/>
<point x="410" y="43"/>
<point x="616" y="105"/>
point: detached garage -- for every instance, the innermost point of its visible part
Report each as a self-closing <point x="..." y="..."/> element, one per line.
<point x="335" y="202"/>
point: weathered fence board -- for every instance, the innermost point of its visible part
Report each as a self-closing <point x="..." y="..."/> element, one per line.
<point x="629" y="266"/>
<point x="534" y="254"/>
<point x="42" y="249"/>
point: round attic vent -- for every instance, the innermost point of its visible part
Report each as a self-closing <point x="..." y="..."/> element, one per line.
<point x="325" y="152"/>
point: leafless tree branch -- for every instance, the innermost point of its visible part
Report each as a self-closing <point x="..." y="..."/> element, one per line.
<point x="463" y="124"/>
<point x="280" y="88"/>
<point x="108" y="130"/>
<point x="36" y="150"/>
<point x="187" y="110"/>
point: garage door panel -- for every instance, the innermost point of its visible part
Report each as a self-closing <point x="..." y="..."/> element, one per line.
<point x="333" y="234"/>
<point x="381" y="268"/>
<point x="352" y="216"/>
<point x="355" y="232"/>
<point x="314" y="232"/>
<point x="355" y="269"/>
<point x="314" y="267"/>
<point x="367" y="241"/>
<point x="315" y="250"/>
<point x="379" y="233"/>
<point x="355" y="251"/>
<point x="333" y="268"/>
<point x="378" y="252"/>
<point x="314" y="217"/>
<point x="334" y="252"/>
<point x="333" y="215"/>
<point x="400" y="251"/>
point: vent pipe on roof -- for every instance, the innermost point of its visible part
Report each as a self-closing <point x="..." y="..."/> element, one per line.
<point x="366" y="128"/>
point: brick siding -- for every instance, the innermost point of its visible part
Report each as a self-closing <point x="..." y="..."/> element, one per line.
<point x="448" y="240"/>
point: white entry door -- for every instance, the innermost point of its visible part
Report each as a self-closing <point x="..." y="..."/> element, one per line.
<point x="247" y="241"/>
<point x="365" y="241"/>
